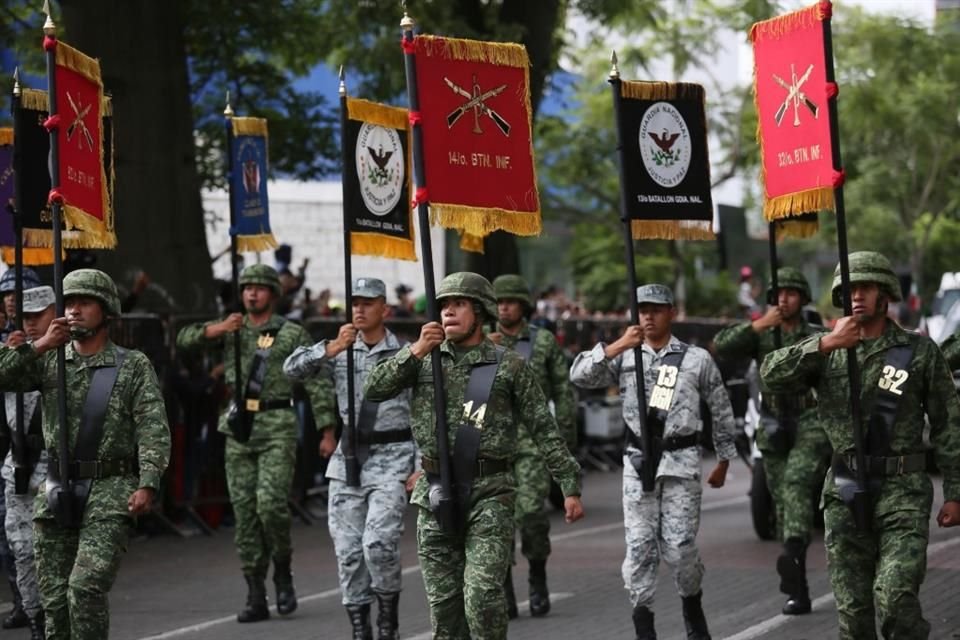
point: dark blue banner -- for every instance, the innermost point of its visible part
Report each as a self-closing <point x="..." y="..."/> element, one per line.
<point x="248" y="185"/>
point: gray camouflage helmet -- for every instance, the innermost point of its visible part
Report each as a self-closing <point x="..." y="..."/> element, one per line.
<point x="261" y="274"/>
<point x="869" y="266"/>
<point x="790" y="278"/>
<point x="8" y="281"/>
<point x="511" y="287"/>
<point x="466" y="284"/>
<point x="93" y="283"/>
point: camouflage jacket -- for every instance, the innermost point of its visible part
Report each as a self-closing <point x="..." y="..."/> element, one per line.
<point x="136" y="422"/>
<point x="951" y="351"/>
<point x="553" y="375"/>
<point x="267" y="425"/>
<point x="699" y="379"/>
<point x="515" y="399"/>
<point x="928" y="390"/>
<point x="387" y="462"/>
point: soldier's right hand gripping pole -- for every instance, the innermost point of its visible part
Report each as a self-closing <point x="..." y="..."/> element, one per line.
<point x="441" y="496"/>
<point x="859" y="500"/>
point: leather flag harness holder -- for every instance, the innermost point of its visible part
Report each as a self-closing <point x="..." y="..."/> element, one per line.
<point x="240" y="419"/>
<point x="67" y="497"/>
<point x="661" y="399"/>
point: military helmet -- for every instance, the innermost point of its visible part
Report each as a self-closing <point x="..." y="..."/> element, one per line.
<point x="8" y="282"/>
<point x="869" y="266"/>
<point x="93" y="283"/>
<point x="790" y="278"/>
<point x="466" y="284"/>
<point x="511" y="287"/>
<point x="261" y="274"/>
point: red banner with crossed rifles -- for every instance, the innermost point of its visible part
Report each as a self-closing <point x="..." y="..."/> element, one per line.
<point x="791" y="94"/>
<point x="476" y="119"/>
<point x="80" y="138"/>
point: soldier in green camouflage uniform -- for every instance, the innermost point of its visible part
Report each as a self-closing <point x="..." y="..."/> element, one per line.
<point x="260" y="470"/>
<point x="951" y="351"/>
<point x="76" y="567"/>
<point x="540" y="349"/>
<point x="464" y="571"/>
<point x="794" y="456"/>
<point x="878" y="573"/>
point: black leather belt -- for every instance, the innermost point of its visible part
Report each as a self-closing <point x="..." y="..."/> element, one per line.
<point x="890" y="465"/>
<point x="387" y="437"/>
<point x="667" y="444"/>
<point x="257" y="406"/>
<point x="485" y="466"/>
<point x="97" y="469"/>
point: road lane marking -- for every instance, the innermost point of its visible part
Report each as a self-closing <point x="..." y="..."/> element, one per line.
<point x="522" y="608"/>
<point x="761" y="629"/>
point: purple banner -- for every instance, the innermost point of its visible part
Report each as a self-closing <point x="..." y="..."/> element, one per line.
<point x="6" y="196"/>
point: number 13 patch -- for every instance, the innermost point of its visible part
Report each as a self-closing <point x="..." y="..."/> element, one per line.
<point x="661" y="396"/>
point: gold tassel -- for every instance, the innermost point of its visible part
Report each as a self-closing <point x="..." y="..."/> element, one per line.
<point x="94" y="233"/>
<point x="661" y="90"/>
<point x="672" y="229"/>
<point x="6" y="136"/>
<point x="32" y="256"/>
<point x="376" y="113"/>
<point x="482" y="221"/>
<point x="472" y="243"/>
<point x="34" y="100"/>
<point x="258" y="242"/>
<point x="34" y="237"/>
<point x="800" y="229"/>
<point x="780" y="26"/>
<point x="249" y="126"/>
<point x="383" y="246"/>
<point x="79" y="62"/>
<point x="792" y="204"/>
<point x="505" y="54"/>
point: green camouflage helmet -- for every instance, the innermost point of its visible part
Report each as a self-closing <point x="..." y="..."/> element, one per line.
<point x="790" y="278"/>
<point x="869" y="266"/>
<point x="93" y="283"/>
<point x="474" y="286"/>
<point x="511" y="287"/>
<point x="261" y="274"/>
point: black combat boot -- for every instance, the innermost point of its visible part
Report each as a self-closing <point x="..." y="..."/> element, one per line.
<point x="694" y="619"/>
<point x="792" y="567"/>
<point x="256" y="609"/>
<point x="643" y="623"/>
<point x="512" y="612"/>
<point x="388" y="616"/>
<point x="360" y="620"/>
<point x="37" y="627"/>
<point x="18" y="618"/>
<point x="539" y="596"/>
<point x="283" y="581"/>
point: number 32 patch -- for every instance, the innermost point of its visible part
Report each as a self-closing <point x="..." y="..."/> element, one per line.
<point x="892" y="379"/>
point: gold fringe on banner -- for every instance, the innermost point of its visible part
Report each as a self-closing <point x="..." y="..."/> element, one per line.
<point x="94" y="234"/>
<point x="32" y="256"/>
<point x="249" y="126"/>
<point x="34" y="100"/>
<point x="6" y="136"/>
<point x="672" y="229"/>
<point x="776" y="28"/>
<point x="382" y="246"/>
<point x="796" y="228"/>
<point x="378" y="114"/>
<point x="79" y="62"/>
<point x="44" y="238"/>
<point x="505" y="54"/>
<point x="790" y="205"/>
<point x="479" y="221"/>
<point x="259" y="242"/>
<point x="638" y="90"/>
<point x="471" y="243"/>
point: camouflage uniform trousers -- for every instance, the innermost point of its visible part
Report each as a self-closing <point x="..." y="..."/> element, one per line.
<point x="18" y="524"/>
<point x="259" y="478"/>
<point x="533" y="487"/>
<point x="463" y="574"/>
<point x="878" y="574"/>
<point x="795" y="479"/>
<point x="76" y="569"/>
<point x="664" y="524"/>
<point x="366" y="524"/>
<point x="7" y="561"/>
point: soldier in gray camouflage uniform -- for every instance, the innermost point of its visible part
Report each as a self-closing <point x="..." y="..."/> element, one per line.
<point x="366" y="521"/>
<point x="38" y="313"/>
<point x="664" y="522"/>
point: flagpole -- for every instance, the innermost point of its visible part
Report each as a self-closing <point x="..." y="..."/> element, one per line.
<point x="774" y="280"/>
<point x="21" y="470"/>
<point x="234" y="265"/>
<point x="861" y="499"/>
<point x="444" y="507"/>
<point x="648" y="473"/>
<point x="349" y="448"/>
<point x="50" y="45"/>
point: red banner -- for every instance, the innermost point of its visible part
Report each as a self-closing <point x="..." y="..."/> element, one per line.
<point x="791" y="93"/>
<point x="80" y="138"/>
<point x="476" y="119"/>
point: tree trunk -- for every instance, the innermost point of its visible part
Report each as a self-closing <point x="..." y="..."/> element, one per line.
<point x="159" y="213"/>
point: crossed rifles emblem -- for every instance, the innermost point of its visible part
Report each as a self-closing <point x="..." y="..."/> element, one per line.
<point x="79" y="124"/>
<point x="795" y="96"/>
<point x="477" y="101"/>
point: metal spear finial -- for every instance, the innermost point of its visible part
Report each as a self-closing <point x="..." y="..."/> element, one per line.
<point x="614" y="69"/>
<point x="49" y="28"/>
<point x="343" y="82"/>
<point x="228" y="110"/>
<point x="406" y="23"/>
<point x="16" y="82"/>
